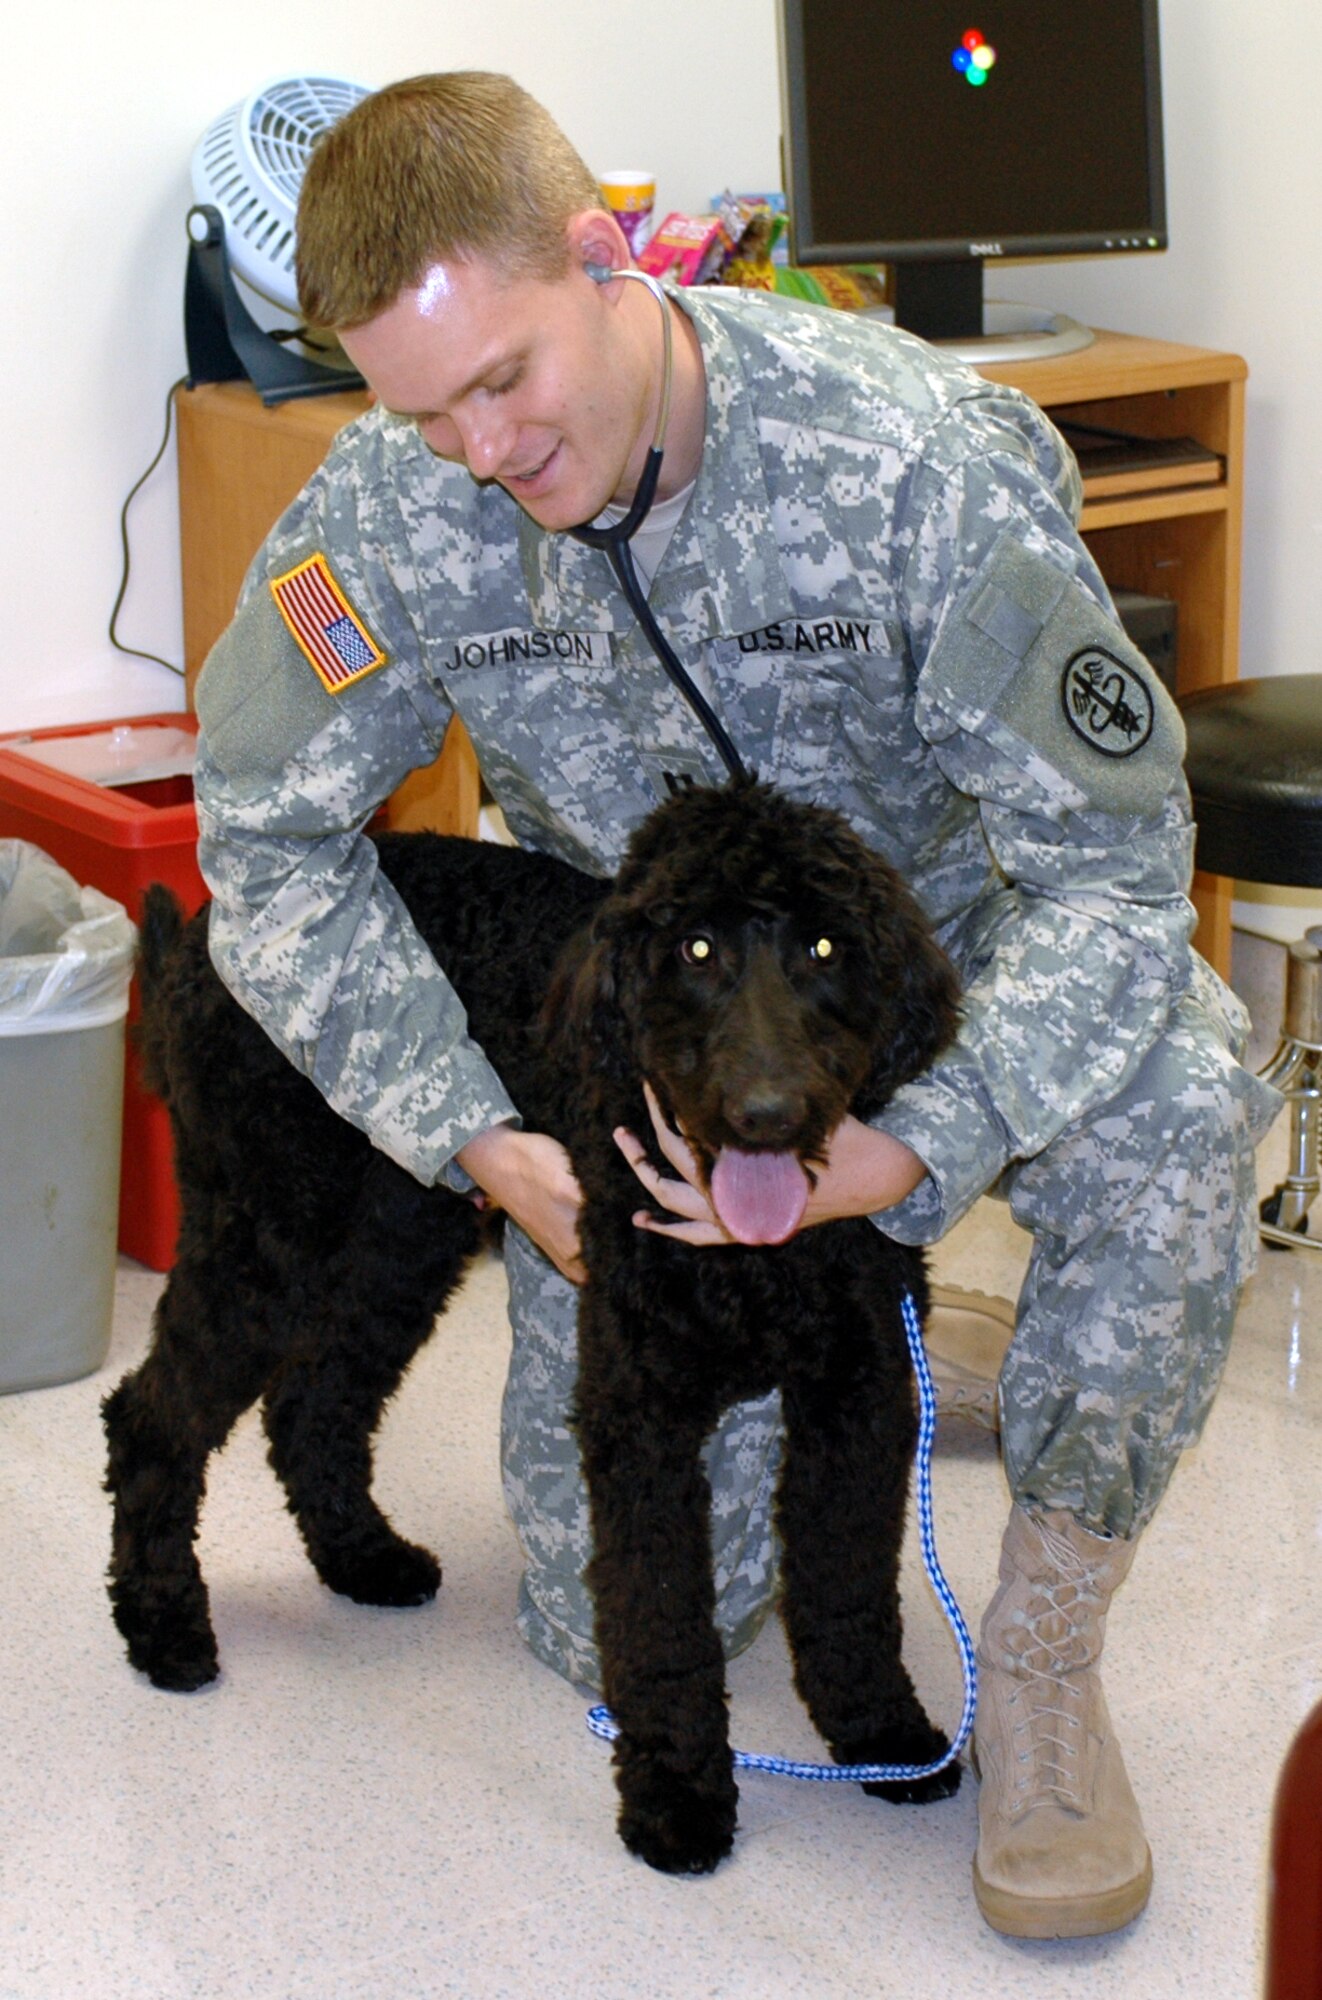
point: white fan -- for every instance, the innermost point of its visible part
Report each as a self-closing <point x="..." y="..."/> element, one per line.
<point x="241" y="295"/>
<point x="250" y="164"/>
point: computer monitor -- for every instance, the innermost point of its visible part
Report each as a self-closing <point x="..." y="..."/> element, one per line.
<point x="933" y="134"/>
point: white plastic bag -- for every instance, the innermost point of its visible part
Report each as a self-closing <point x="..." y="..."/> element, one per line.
<point x="66" y="953"/>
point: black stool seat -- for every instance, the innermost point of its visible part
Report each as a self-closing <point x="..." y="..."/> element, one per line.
<point x="1254" y="766"/>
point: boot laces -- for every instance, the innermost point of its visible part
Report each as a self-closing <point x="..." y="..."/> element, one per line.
<point x="1051" y="1650"/>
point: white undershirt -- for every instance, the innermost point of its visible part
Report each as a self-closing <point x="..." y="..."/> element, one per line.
<point x="652" y="538"/>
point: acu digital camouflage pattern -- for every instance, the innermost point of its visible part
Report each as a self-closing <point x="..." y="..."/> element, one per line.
<point x="879" y="587"/>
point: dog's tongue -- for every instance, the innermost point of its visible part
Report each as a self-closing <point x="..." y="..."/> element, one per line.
<point x="760" y="1197"/>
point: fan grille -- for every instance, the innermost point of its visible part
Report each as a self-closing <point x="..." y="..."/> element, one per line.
<point x="284" y="120"/>
<point x="250" y="165"/>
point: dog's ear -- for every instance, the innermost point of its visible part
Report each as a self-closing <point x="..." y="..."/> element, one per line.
<point x="927" y="1002"/>
<point x="916" y="981"/>
<point x="582" y="1022"/>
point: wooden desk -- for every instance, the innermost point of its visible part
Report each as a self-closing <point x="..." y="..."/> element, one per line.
<point x="241" y="464"/>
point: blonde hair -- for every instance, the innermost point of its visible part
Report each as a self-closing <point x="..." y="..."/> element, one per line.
<point x="465" y="164"/>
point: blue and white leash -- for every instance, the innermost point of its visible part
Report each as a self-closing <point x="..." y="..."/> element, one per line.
<point x="602" y="1723"/>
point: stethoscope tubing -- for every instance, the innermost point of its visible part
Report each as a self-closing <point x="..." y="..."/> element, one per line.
<point x="614" y="544"/>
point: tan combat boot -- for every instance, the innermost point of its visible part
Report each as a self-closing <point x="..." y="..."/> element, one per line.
<point x="1061" y="1849"/>
<point x="966" y="1336"/>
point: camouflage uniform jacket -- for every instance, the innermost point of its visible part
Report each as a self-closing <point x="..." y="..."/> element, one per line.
<point x="879" y="585"/>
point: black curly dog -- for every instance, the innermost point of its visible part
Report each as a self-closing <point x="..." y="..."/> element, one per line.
<point x="766" y="972"/>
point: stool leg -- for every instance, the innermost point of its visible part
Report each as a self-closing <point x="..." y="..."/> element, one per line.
<point x="1285" y="1213"/>
<point x="1296" y="1070"/>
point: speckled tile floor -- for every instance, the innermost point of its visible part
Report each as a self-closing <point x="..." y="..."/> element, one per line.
<point x="393" y="1806"/>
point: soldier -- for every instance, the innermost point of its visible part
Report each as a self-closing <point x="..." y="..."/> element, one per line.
<point x="866" y="557"/>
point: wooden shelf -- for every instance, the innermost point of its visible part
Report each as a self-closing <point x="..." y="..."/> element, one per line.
<point x="1167" y="504"/>
<point x="1122" y="365"/>
<point x="1181" y="542"/>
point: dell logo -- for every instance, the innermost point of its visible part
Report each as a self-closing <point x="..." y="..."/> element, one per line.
<point x="985" y="250"/>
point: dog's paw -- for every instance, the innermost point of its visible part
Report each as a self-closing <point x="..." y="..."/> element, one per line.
<point x="176" y="1654"/>
<point x="942" y="1784"/>
<point x="398" y="1574"/>
<point x="916" y="1743"/>
<point x="677" y="1828"/>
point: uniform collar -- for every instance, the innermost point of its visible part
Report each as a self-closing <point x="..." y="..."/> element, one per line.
<point x="723" y="565"/>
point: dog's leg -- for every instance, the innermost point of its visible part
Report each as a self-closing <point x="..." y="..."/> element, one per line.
<point x="211" y="1355"/>
<point x="320" y="1416"/>
<point x="663" y="1672"/>
<point x="409" y="1247"/>
<point x="849" y="1439"/>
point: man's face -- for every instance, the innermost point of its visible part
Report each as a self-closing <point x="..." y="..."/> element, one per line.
<point x="531" y="382"/>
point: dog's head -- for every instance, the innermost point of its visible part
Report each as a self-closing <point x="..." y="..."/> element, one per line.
<point x="766" y="972"/>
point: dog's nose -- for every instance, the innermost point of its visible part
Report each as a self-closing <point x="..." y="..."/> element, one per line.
<point x="765" y="1114"/>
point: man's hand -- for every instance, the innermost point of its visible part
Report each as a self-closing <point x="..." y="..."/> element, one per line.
<point x="529" y="1176"/>
<point x="864" y="1171"/>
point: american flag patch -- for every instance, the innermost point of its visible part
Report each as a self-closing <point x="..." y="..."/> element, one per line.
<point x="325" y="625"/>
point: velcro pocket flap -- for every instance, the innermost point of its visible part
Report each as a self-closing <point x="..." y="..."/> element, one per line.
<point x="1029" y="661"/>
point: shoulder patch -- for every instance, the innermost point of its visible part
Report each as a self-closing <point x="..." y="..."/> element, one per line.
<point x="1105" y="703"/>
<point x="328" y="631"/>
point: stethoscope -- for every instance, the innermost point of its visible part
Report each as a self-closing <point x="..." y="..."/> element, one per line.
<point x="614" y="541"/>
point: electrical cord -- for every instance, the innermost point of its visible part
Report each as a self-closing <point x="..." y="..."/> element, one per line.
<point x="134" y="491"/>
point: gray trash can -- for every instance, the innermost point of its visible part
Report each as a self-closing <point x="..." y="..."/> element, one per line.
<point x="66" y="958"/>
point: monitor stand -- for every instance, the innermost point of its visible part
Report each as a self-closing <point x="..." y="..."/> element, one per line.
<point x="943" y="303"/>
<point x="1020" y="333"/>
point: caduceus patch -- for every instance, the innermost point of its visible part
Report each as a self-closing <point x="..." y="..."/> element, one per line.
<point x="1106" y="703"/>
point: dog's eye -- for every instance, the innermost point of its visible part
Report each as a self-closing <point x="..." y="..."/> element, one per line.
<point x="821" y="949"/>
<point x="697" y="950"/>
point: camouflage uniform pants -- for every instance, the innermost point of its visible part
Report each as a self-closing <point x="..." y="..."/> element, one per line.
<point x="1144" y="1218"/>
<point x="547" y="1500"/>
<point x="1144" y="1224"/>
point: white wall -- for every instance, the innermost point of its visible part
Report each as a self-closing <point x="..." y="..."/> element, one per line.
<point x="94" y="153"/>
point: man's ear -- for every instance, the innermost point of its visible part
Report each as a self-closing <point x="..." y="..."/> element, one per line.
<point x="596" y="241"/>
